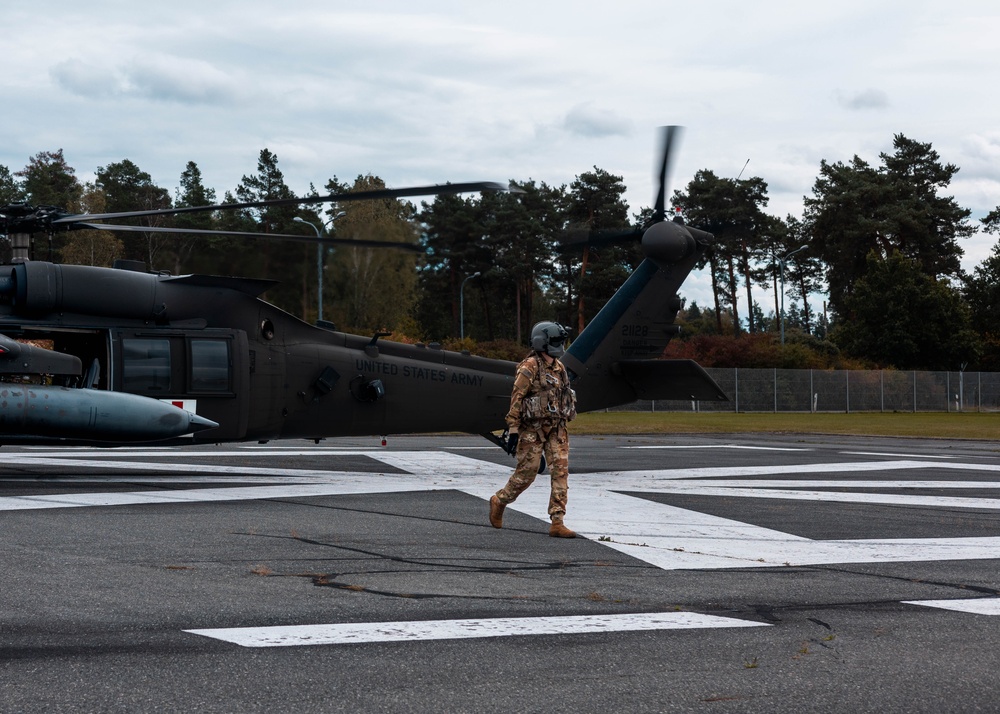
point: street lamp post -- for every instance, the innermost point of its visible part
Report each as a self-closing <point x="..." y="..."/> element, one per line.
<point x="319" y="260"/>
<point x="781" y="264"/>
<point x="461" y="305"/>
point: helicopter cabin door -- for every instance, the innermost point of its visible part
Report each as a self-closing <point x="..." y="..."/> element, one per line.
<point x="203" y="371"/>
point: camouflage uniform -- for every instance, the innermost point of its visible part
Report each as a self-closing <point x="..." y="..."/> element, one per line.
<point x="540" y="405"/>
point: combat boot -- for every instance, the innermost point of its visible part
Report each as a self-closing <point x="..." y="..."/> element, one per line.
<point x="496" y="512"/>
<point x="558" y="530"/>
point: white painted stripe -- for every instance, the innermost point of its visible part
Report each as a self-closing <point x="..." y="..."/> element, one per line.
<point x="718" y="446"/>
<point x="268" y="447"/>
<point x="193" y="454"/>
<point x="413" y="462"/>
<point x="976" y="606"/>
<point x="356" y="633"/>
<point x="905" y="456"/>
<point x="189" y="478"/>
<point x="171" y="467"/>
<point x="681" y="485"/>
<point x="885" y="499"/>
<point x="650" y="476"/>
<point x="659" y="478"/>
<point x="201" y="495"/>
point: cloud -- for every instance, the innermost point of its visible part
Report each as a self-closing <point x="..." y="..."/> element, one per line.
<point x="865" y="99"/>
<point x="86" y="80"/>
<point x="158" y="77"/>
<point x="174" y="79"/>
<point x="586" y="120"/>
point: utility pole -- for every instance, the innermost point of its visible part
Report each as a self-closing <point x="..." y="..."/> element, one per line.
<point x="319" y="259"/>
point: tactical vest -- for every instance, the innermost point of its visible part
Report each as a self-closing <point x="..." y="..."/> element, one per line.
<point x="550" y="396"/>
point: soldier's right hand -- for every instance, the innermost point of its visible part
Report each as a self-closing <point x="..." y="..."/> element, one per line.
<point x="512" y="443"/>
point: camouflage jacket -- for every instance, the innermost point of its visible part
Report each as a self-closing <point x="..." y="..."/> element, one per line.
<point x="541" y="394"/>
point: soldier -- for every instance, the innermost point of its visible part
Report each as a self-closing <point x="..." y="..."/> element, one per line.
<point x="540" y="405"/>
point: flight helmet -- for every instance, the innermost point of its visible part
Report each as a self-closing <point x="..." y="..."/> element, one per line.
<point x="549" y="337"/>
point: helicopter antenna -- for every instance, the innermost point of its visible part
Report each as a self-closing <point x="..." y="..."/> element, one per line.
<point x="743" y="169"/>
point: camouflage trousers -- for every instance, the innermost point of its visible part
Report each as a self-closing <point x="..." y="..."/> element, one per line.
<point x="553" y="441"/>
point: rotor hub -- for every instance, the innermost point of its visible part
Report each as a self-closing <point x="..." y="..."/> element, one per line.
<point x="667" y="242"/>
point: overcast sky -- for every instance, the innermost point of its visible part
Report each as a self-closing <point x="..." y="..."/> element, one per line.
<point x="436" y="91"/>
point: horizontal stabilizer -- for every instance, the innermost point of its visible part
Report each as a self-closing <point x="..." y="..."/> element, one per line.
<point x="670" y="379"/>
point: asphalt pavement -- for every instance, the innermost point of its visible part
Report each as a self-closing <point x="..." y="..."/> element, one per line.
<point x="712" y="574"/>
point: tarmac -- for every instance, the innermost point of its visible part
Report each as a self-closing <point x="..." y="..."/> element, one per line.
<point x="736" y="573"/>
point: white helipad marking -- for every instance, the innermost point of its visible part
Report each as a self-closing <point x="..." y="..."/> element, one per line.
<point x="201" y="495"/>
<point x="853" y="484"/>
<point x="651" y="476"/>
<point x="189" y="454"/>
<point x="747" y="489"/>
<point x="427" y="471"/>
<point x="356" y="633"/>
<point x="665" y="536"/>
<point x="905" y="456"/>
<point x="719" y="446"/>
<point x="976" y="606"/>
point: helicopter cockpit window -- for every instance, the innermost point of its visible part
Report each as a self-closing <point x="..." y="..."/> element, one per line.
<point x="146" y="365"/>
<point x="209" y="365"/>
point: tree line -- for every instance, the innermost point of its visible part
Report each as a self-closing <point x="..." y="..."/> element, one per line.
<point x="880" y="242"/>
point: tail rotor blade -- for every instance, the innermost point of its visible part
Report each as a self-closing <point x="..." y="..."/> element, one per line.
<point x="581" y="238"/>
<point x="668" y="136"/>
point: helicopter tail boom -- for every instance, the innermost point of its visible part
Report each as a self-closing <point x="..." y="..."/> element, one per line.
<point x="616" y="359"/>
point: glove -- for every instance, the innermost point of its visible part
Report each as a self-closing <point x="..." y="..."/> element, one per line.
<point x="512" y="443"/>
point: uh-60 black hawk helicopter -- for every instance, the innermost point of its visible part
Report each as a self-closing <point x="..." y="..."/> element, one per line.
<point x="113" y="356"/>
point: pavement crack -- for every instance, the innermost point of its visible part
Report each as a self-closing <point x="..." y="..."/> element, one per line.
<point x="416" y="565"/>
<point x="329" y="581"/>
<point x="984" y="590"/>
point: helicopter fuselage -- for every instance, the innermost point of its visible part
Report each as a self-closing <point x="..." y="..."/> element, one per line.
<point x="211" y="346"/>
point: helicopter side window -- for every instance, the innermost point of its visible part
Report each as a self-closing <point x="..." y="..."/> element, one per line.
<point x="146" y="365"/>
<point x="209" y="365"/>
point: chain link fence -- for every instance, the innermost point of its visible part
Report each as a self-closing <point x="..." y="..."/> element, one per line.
<point x="810" y="390"/>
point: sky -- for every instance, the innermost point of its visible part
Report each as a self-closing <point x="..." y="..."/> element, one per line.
<point x="436" y="91"/>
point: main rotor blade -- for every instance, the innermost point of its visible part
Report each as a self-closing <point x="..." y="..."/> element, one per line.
<point x="448" y="188"/>
<point x="595" y="239"/>
<point x="357" y="243"/>
<point x="668" y="136"/>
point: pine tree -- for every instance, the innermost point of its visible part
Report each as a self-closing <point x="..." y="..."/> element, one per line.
<point x="596" y="202"/>
<point x="856" y="209"/>
<point x="126" y="187"/>
<point x="48" y="180"/>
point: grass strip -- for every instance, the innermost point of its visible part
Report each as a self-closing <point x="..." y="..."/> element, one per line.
<point x="953" y="425"/>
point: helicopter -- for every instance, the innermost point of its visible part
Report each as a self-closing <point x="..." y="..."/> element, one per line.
<point x="120" y="356"/>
